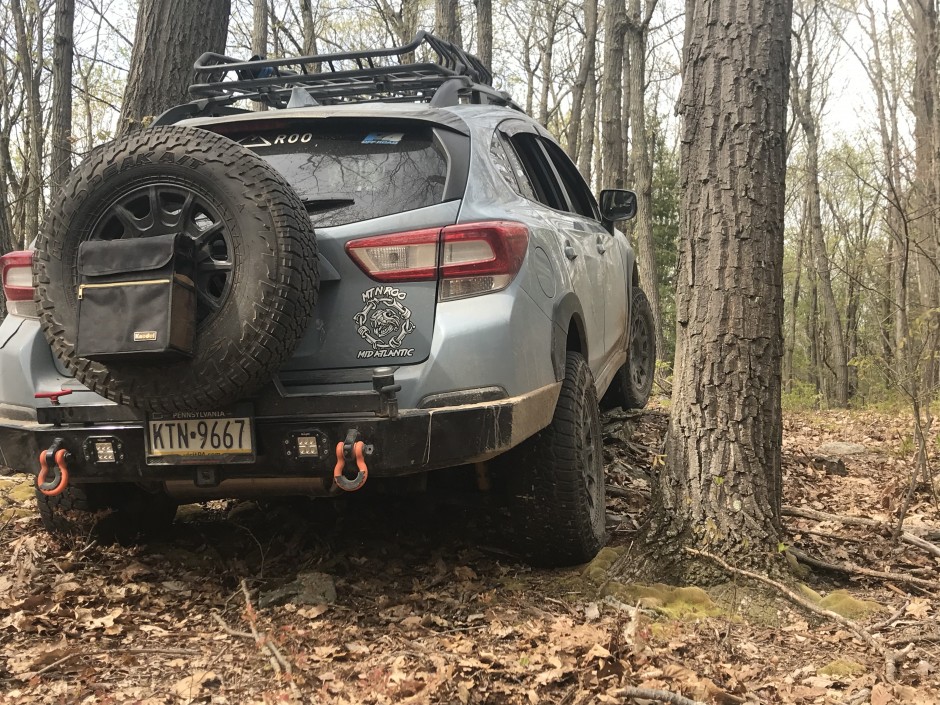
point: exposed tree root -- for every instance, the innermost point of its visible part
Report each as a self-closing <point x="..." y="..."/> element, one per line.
<point x="905" y="536"/>
<point x="841" y="567"/>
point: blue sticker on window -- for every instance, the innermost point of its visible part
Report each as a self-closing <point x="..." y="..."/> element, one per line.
<point x="384" y="138"/>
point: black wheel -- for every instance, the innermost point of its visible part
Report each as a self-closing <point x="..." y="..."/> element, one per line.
<point x="116" y="511"/>
<point x="555" y="480"/>
<point x="256" y="255"/>
<point x="633" y="383"/>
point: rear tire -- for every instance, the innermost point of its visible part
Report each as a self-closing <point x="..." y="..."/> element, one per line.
<point x="556" y="478"/>
<point x="115" y="511"/>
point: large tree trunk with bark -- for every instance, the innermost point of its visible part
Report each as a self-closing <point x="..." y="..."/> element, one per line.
<point x="170" y="36"/>
<point x="637" y="33"/>
<point x="62" y="54"/>
<point x="720" y="489"/>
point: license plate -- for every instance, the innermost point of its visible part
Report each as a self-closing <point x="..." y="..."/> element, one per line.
<point x="200" y="438"/>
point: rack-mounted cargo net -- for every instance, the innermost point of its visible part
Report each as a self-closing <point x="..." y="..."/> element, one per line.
<point x="428" y="69"/>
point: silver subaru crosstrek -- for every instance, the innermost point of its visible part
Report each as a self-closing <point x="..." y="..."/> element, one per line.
<point x="475" y="306"/>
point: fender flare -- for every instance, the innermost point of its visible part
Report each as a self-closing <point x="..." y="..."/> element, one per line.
<point x="567" y="308"/>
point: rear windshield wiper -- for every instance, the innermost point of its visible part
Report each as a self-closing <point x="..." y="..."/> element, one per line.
<point x="319" y="205"/>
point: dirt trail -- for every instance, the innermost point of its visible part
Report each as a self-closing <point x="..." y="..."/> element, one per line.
<point x="430" y="608"/>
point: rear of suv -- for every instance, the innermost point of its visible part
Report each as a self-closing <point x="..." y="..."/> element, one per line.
<point x="468" y="303"/>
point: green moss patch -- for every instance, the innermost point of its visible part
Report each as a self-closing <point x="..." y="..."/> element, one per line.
<point x="842" y="603"/>
<point x="672" y="602"/>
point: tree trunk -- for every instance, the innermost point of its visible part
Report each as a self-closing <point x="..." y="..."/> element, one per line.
<point x="588" y="127"/>
<point x="259" y="28"/>
<point x="485" y="32"/>
<point x="547" y="53"/>
<point x="720" y="489"/>
<point x="637" y="33"/>
<point x="588" y="53"/>
<point x="612" y="147"/>
<point x="309" y="28"/>
<point x="447" y="20"/>
<point x="790" y="340"/>
<point x="62" y="92"/>
<point x="806" y="106"/>
<point x="170" y="36"/>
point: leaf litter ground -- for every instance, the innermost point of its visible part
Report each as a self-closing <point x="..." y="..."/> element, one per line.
<point x="431" y="608"/>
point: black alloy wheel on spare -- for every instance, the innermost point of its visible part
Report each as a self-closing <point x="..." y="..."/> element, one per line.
<point x="555" y="480"/>
<point x="256" y="262"/>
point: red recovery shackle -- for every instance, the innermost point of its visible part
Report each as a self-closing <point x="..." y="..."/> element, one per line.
<point x="362" y="474"/>
<point x="60" y="473"/>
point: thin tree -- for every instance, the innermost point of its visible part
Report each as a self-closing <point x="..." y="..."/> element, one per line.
<point x="485" y="31"/>
<point x="638" y="25"/>
<point x="62" y="55"/>
<point x="808" y="98"/>
<point x="612" y="118"/>
<point x="720" y="489"/>
<point x="574" y="139"/>
<point x="170" y="36"/>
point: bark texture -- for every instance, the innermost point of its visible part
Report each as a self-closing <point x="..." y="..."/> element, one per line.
<point x="720" y="488"/>
<point x="447" y="20"/>
<point x="611" y="95"/>
<point x="62" y="53"/>
<point x="170" y="36"/>
<point x="485" y="32"/>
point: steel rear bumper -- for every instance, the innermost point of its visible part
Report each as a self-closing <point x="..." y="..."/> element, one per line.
<point x="416" y="441"/>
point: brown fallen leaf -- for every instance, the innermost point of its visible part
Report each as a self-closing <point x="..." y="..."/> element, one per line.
<point x="881" y="694"/>
<point x="189" y="687"/>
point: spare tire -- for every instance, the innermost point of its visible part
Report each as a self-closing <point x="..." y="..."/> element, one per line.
<point x="256" y="258"/>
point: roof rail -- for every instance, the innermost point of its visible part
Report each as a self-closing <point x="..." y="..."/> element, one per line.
<point x="445" y="75"/>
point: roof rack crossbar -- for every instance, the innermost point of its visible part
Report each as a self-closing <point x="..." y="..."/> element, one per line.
<point x="223" y="80"/>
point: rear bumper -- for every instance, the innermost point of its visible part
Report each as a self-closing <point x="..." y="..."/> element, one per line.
<point x="415" y="441"/>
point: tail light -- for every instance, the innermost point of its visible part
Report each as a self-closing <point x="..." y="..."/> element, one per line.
<point x="470" y="259"/>
<point x="16" y="272"/>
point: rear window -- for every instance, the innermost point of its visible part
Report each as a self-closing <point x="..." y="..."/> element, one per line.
<point x="344" y="175"/>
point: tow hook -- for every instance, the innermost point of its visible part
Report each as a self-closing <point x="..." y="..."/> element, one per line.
<point x="54" y="461"/>
<point x="351" y="479"/>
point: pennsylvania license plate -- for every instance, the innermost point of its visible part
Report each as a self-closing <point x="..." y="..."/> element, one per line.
<point x="201" y="437"/>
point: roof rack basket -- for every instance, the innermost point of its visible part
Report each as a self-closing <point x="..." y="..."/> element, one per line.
<point x="428" y="69"/>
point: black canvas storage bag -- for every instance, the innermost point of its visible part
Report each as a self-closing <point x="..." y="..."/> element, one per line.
<point x="136" y="299"/>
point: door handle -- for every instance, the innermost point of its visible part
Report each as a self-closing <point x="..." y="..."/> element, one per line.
<point x="569" y="250"/>
<point x="600" y="245"/>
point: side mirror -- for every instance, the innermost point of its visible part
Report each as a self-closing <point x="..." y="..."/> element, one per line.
<point x="617" y="204"/>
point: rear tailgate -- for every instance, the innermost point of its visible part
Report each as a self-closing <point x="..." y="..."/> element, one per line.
<point x="360" y="179"/>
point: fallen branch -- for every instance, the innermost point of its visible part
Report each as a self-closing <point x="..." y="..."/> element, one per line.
<point x="111" y="652"/>
<point x="906" y="536"/>
<point x="662" y="696"/>
<point x="841" y="567"/>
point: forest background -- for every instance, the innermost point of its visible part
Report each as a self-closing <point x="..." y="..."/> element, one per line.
<point x="862" y="225"/>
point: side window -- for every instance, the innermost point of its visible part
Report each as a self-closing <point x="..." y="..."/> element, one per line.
<point x="540" y="171"/>
<point x="509" y="167"/>
<point x="582" y="200"/>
